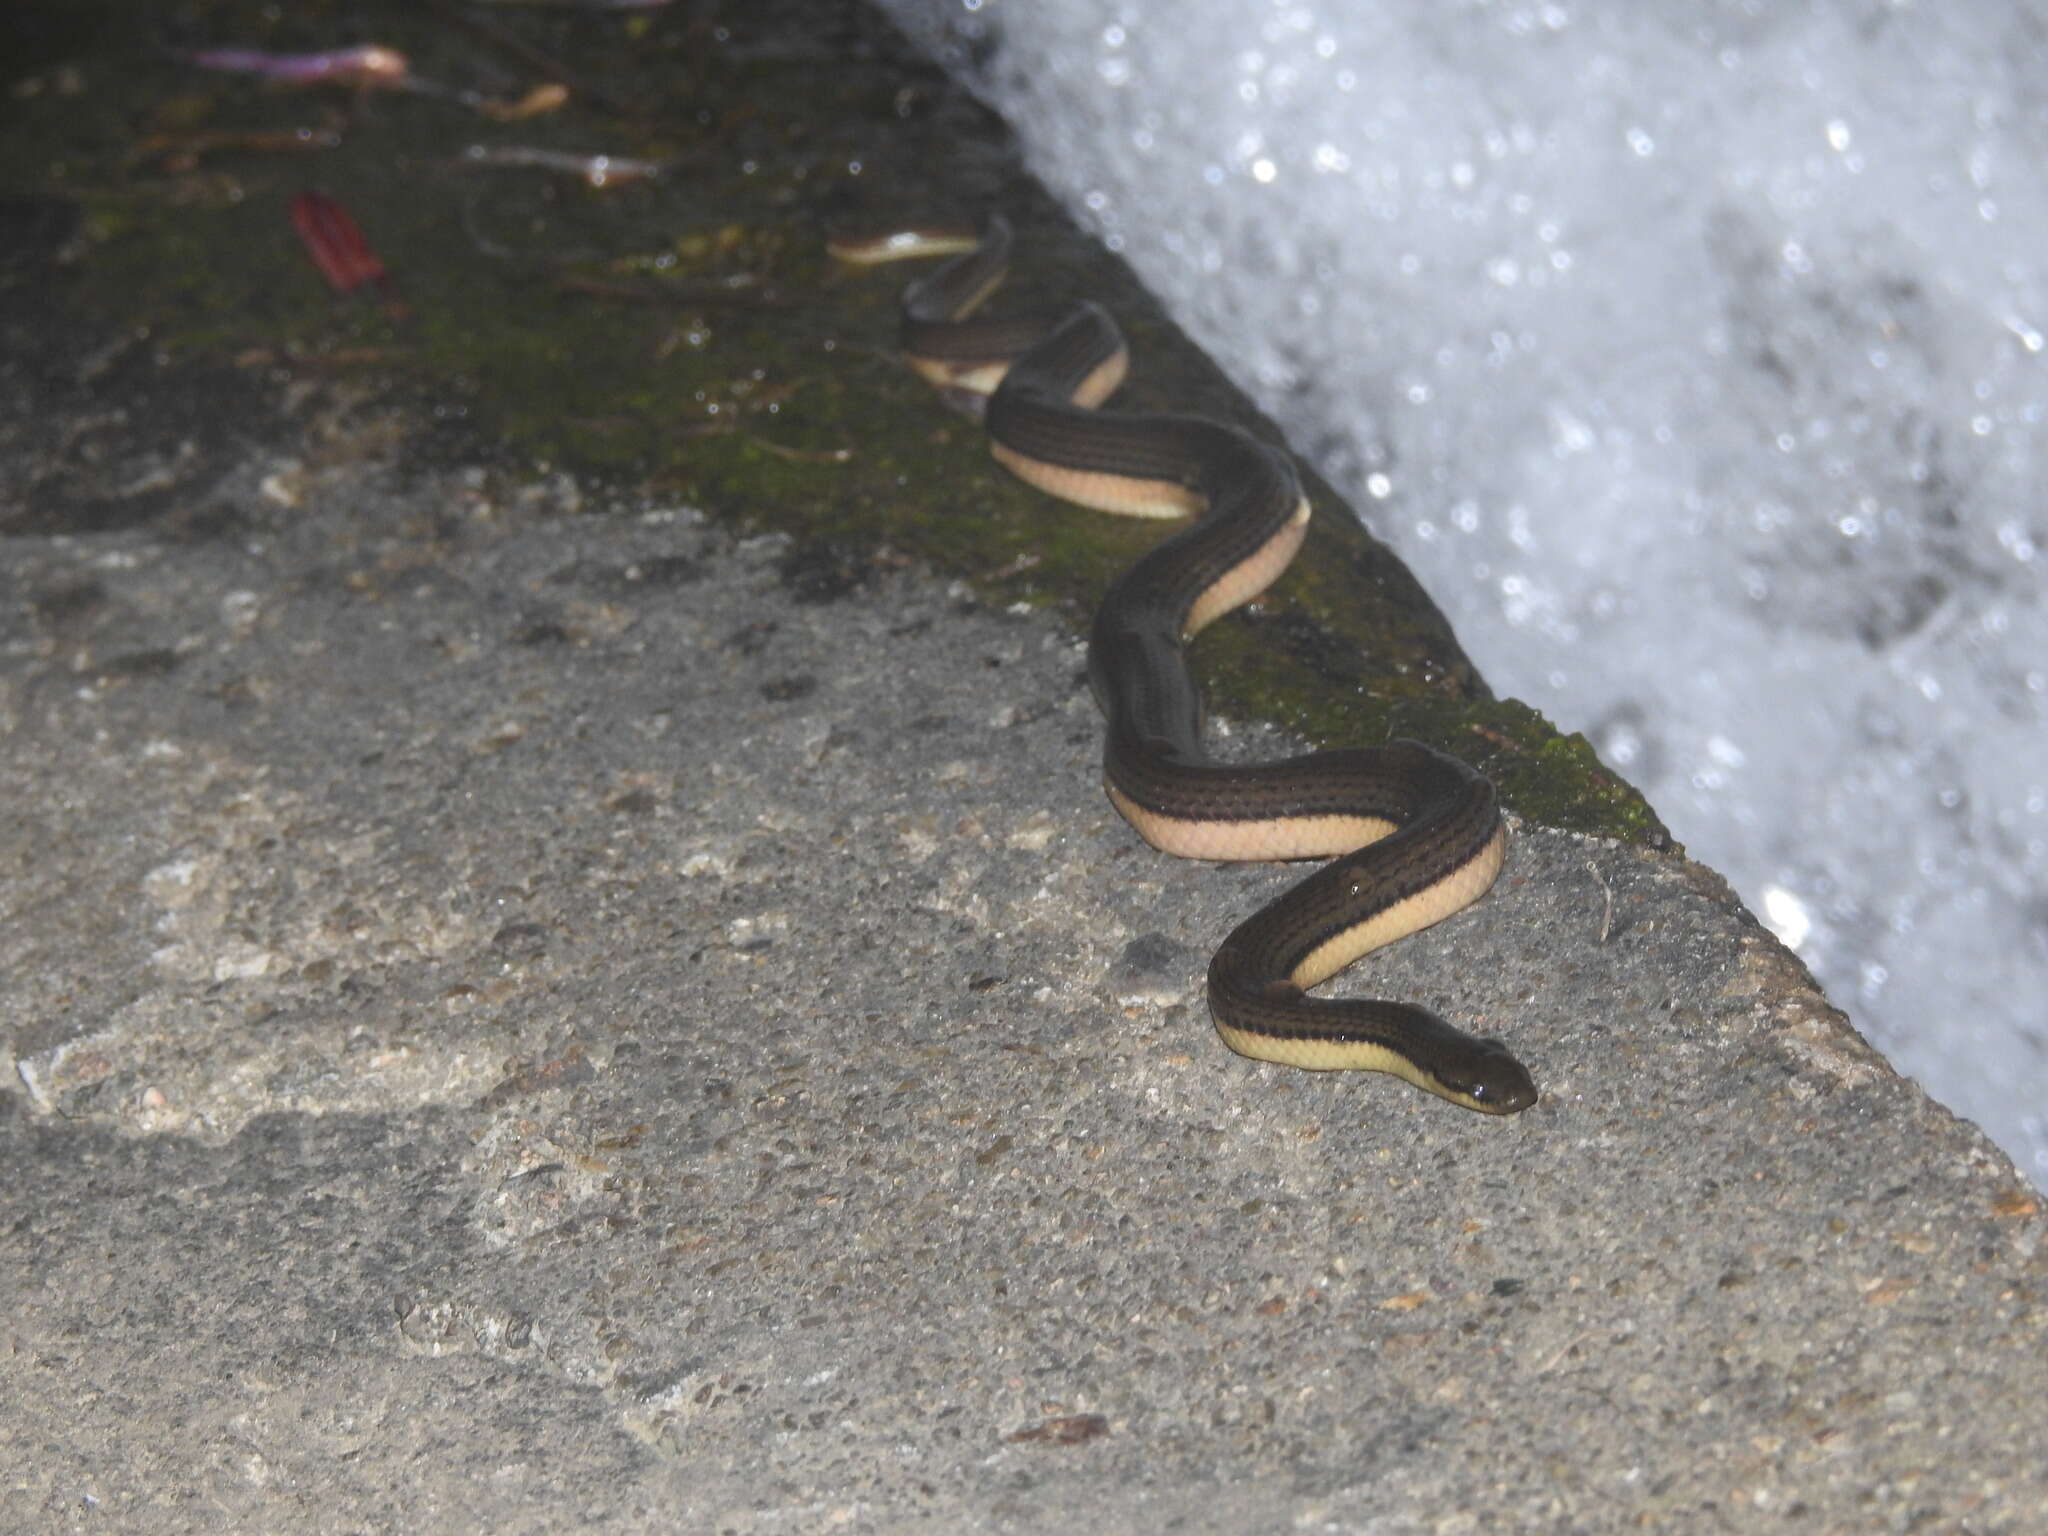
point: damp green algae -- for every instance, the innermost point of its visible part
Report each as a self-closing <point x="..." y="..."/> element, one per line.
<point x="686" y="333"/>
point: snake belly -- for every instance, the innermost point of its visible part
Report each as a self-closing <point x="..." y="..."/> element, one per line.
<point x="1414" y="835"/>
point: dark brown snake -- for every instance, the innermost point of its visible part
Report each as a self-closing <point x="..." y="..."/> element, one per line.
<point x="1414" y="834"/>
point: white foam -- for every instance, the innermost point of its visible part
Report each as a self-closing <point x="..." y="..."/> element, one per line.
<point x="1693" y="356"/>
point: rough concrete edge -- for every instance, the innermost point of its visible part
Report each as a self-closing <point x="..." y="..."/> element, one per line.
<point x="1348" y="648"/>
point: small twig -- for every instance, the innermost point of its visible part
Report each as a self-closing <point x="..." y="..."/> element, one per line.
<point x="596" y="171"/>
<point x="1558" y="1359"/>
<point x="661" y="292"/>
<point x="1607" y="916"/>
<point x="803" y="455"/>
<point x="177" y="152"/>
<point x="543" y="63"/>
<point x="1016" y="567"/>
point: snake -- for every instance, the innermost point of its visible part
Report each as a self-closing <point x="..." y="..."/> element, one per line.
<point x="1413" y="834"/>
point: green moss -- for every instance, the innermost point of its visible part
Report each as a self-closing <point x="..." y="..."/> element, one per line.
<point x="688" y="333"/>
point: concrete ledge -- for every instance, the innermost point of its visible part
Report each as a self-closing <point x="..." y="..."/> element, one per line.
<point x="541" y="1006"/>
<point x="542" y="1019"/>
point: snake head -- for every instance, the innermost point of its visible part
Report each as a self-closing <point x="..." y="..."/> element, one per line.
<point x="1486" y="1077"/>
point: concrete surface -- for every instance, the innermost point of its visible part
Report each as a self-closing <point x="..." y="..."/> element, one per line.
<point x="529" y="1004"/>
<point x="538" y="1016"/>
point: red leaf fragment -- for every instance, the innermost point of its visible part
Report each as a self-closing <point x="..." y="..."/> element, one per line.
<point x="334" y="242"/>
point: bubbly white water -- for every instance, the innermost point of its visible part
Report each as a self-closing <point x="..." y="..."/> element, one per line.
<point x="1693" y="355"/>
